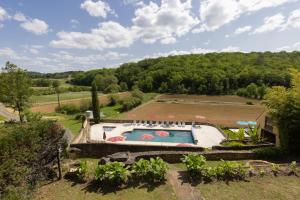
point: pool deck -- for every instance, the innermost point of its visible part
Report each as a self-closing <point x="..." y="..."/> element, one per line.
<point x="206" y="136"/>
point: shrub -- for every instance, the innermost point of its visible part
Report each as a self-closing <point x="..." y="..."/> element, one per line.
<point x="262" y="173"/>
<point x="249" y="103"/>
<point x="112" y="88"/>
<point x="137" y="94"/>
<point x="68" y="109"/>
<point x="113" y="173"/>
<point x="269" y="152"/>
<point x="130" y="103"/>
<point x="153" y="170"/>
<point x="275" y="168"/>
<point x="232" y="135"/>
<point x="230" y="170"/>
<point x="113" y="100"/>
<point x="81" y="171"/>
<point x="293" y="167"/>
<point x="233" y="144"/>
<point x="85" y="105"/>
<point x="195" y="165"/>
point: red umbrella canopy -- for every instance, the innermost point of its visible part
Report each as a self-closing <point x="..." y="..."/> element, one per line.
<point x="146" y="137"/>
<point x="116" y="139"/>
<point x="162" y="133"/>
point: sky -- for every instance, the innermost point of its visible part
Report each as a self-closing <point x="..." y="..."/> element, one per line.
<point x="65" y="35"/>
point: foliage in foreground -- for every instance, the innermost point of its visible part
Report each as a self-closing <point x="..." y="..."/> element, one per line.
<point x="284" y="107"/>
<point x="153" y="170"/>
<point x="199" y="171"/>
<point x="113" y="173"/>
<point x="27" y="153"/>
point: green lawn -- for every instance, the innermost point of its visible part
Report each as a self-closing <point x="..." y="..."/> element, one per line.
<point x="68" y="121"/>
<point x="266" y="188"/>
<point x="2" y="118"/>
<point x="63" y="96"/>
<point x="64" y="189"/>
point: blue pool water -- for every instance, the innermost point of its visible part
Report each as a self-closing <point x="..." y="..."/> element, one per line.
<point x="244" y="123"/>
<point x="174" y="136"/>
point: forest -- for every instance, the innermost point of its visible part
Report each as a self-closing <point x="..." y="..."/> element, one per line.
<point x="210" y="74"/>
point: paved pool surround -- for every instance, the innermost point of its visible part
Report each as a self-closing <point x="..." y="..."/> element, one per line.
<point x="203" y="135"/>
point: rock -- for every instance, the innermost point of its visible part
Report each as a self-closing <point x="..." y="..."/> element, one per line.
<point x="103" y="161"/>
<point x="119" y="157"/>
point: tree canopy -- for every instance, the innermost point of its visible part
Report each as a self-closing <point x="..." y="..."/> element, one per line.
<point x="212" y="74"/>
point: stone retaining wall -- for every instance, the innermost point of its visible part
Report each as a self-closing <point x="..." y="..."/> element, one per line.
<point x="99" y="150"/>
<point x="176" y="156"/>
<point x="247" y="147"/>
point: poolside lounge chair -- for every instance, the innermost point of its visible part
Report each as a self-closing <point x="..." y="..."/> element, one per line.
<point x="134" y="122"/>
<point x="193" y="124"/>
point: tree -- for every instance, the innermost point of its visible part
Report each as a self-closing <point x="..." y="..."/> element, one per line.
<point x="95" y="104"/>
<point x="284" y="109"/>
<point x="56" y="87"/>
<point x="15" y="88"/>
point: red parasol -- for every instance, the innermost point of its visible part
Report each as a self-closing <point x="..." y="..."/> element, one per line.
<point x="146" y="137"/>
<point x="183" y="145"/>
<point x="162" y="133"/>
<point x="116" y="139"/>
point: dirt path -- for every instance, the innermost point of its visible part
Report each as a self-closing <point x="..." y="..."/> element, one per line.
<point x="8" y="115"/>
<point x="182" y="189"/>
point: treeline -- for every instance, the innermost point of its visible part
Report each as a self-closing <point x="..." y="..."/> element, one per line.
<point x="211" y="74"/>
<point x="57" y="75"/>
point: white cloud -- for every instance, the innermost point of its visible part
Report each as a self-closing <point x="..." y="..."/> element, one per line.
<point x="289" y="48"/>
<point x="215" y="13"/>
<point x="108" y="35"/>
<point x="7" y="52"/>
<point x="271" y="23"/>
<point x="3" y="14"/>
<point x="35" y="26"/>
<point x="294" y="19"/>
<point x="243" y="29"/>
<point x="96" y="8"/>
<point x="165" y="22"/>
<point x="20" y="17"/>
<point x="231" y="49"/>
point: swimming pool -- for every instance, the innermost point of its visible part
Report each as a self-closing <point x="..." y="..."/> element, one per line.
<point x="152" y="135"/>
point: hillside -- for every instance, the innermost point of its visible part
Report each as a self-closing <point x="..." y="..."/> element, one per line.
<point x="213" y="73"/>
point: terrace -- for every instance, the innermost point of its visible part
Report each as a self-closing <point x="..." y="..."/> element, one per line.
<point x="156" y="134"/>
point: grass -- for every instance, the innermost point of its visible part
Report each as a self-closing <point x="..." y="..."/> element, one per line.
<point x="63" y="96"/>
<point x="267" y="188"/>
<point x="2" y="118"/>
<point x="68" y="121"/>
<point x="64" y="189"/>
<point x="111" y="112"/>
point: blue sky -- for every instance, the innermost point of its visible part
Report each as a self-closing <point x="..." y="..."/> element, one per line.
<point x="63" y="35"/>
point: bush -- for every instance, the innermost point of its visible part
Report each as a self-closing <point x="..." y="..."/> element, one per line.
<point x="68" y="109"/>
<point x="81" y="171"/>
<point x="130" y="103"/>
<point x="230" y="170"/>
<point x="113" y="100"/>
<point x="113" y="88"/>
<point x="136" y="93"/>
<point x="240" y="135"/>
<point x="249" y="103"/>
<point x="269" y="152"/>
<point x="233" y="144"/>
<point x="113" y="173"/>
<point x="293" y="167"/>
<point x="196" y="166"/>
<point x="153" y="170"/>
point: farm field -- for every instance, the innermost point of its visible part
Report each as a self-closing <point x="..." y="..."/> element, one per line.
<point x="49" y="106"/>
<point x="221" y="110"/>
<point x="63" y="96"/>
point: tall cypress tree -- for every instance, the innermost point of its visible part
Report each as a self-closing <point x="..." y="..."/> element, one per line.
<point x="95" y="103"/>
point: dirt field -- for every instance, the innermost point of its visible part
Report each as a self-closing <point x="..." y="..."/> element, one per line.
<point x="49" y="107"/>
<point x="222" y="110"/>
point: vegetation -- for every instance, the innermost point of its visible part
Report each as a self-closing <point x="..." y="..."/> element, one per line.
<point x="153" y="170"/>
<point x="56" y="86"/>
<point x="81" y="171"/>
<point x="269" y="152"/>
<point x="284" y="109"/>
<point x="232" y="135"/>
<point x="114" y="173"/>
<point x="213" y="73"/>
<point x="15" y="88"/>
<point x="2" y="118"/>
<point x="95" y="104"/>
<point x="225" y="170"/>
<point x="27" y="153"/>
